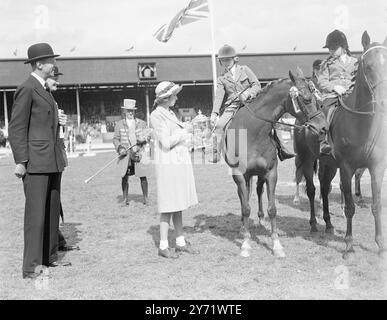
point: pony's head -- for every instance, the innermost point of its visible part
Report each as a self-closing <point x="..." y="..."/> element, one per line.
<point x="302" y="102"/>
<point x="372" y="70"/>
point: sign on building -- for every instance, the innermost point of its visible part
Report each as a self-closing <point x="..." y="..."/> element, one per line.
<point x="147" y="71"/>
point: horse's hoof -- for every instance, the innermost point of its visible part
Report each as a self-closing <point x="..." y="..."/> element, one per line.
<point x="245" y="245"/>
<point x="313" y="230"/>
<point x="245" y="253"/>
<point x="279" y="253"/>
<point x="296" y="201"/>
<point x="330" y="230"/>
<point x="348" y="255"/>
<point x="278" y="250"/>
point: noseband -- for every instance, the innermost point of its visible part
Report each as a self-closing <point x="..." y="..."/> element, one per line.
<point x="299" y="105"/>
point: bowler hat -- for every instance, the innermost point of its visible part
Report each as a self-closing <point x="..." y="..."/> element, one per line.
<point x="39" y="51"/>
<point x="129" y="104"/>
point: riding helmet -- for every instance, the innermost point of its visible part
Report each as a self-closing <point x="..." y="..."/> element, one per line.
<point x="226" y="51"/>
<point x="336" y="38"/>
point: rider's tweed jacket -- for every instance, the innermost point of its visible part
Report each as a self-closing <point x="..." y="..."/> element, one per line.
<point x="228" y="85"/>
<point x="334" y="72"/>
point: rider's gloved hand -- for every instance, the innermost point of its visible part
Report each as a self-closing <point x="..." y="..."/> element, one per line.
<point x="340" y="90"/>
<point x="244" y="97"/>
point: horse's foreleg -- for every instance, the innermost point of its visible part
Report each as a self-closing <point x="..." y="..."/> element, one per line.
<point x="296" y="200"/>
<point x="271" y="183"/>
<point x="245" y="206"/>
<point x="310" y="191"/>
<point x="260" y="184"/>
<point x="358" y="195"/>
<point x="346" y="173"/>
<point x="299" y="175"/>
<point x="326" y="175"/>
<point x="377" y="174"/>
<point x="248" y="186"/>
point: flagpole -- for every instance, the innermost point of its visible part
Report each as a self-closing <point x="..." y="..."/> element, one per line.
<point x="213" y="59"/>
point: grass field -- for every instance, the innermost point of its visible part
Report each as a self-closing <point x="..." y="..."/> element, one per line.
<point x="118" y="257"/>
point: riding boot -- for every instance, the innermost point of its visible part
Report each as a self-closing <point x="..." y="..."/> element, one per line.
<point x="325" y="148"/>
<point x="125" y="190"/>
<point x="283" y="154"/>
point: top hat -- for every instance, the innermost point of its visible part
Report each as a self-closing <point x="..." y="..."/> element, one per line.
<point x="129" y="104"/>
<point x="39" y="51"/>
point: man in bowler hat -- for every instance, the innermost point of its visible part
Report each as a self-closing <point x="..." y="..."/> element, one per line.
<point x="35" y="142"/>
<point x="52" y="83"/>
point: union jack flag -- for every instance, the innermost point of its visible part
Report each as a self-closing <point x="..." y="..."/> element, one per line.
<point x="196" y="10"/>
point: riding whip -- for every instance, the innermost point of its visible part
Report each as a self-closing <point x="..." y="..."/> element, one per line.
<point x="107" y="165"/>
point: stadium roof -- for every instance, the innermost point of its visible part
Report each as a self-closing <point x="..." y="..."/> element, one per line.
<point x="100" y="71"/>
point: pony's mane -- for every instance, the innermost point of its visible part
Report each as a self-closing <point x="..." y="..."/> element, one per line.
<point x="271" y="84"/>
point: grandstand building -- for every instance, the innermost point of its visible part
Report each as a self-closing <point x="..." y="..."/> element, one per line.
<point x="93" y="88"/>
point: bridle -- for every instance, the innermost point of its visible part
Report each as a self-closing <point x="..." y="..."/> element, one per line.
<point x="371" y="87"/>
<point x="294" y="93"/>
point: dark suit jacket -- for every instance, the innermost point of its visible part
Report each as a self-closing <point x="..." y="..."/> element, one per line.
<point x="34" y="129"/>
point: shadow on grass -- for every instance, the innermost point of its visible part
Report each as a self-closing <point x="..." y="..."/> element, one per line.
<point x="228" y="227"/>
<point x="333" y="198"/>
<point x="71" y="234"/>
<point x="132" y="197"/>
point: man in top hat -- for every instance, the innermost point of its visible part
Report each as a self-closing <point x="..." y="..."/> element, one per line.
<point x="235" y="79"/>
<point x="35" y="142"/>
<point x="132" y="132"/>
<point x="52" y="83"/>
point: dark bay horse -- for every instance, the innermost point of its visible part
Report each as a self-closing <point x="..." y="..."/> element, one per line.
<point x="251" y="152"/>
<point x="306" y="145"/>
<point x="358" y="138"/>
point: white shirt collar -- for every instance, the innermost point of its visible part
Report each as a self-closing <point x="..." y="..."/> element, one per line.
<point x="232" y="70"/>
<point x="40" y="79"/>
<point x="344" y="58"/>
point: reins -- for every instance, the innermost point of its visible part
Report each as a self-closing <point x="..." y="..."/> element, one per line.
<point x="273" y="121"/>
